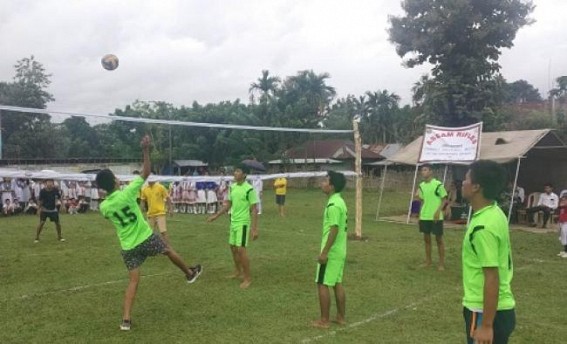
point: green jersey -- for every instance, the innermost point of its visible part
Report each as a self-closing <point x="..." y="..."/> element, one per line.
<point x="241" y="197"/>
<point x="431" y="194"/>
<point x="335" y="215"/>
<point x="121" y="208"/>
<point x="487" y="244"/>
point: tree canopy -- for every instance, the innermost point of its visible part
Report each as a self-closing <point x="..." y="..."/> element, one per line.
<point x="462" y="40"/>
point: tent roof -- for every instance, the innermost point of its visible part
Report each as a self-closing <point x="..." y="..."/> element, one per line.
<point x="304" y="161"/>
<point x="500" y="146"/>
<point x="190" y="163"/>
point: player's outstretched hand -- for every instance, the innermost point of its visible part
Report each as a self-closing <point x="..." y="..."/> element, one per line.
<point x="254" y="234"/>
<point x="146" y="142"/>
<point x="211" y="218"/>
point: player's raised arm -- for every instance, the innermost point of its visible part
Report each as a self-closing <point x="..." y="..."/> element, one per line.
<point x="146" y="168"/>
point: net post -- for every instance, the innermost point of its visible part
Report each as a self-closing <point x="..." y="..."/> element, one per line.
<point x="358" y="183"/>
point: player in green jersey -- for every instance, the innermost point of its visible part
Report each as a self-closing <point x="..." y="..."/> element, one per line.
<point x="487" y="258"/>
<point x="332" y="257"/>
<point x="242" y="203"/>
<point x="137" y="240"/>
<point x="433" y="198"/>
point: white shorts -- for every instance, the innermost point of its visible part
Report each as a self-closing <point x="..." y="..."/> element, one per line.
<point x="563" y="235"/>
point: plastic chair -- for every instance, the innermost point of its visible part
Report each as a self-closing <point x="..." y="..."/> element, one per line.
<point x="531" y="201"/>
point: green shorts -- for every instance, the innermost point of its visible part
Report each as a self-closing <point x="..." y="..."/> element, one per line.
<point x="239" y="235"/>
<point x="330" y="273"/>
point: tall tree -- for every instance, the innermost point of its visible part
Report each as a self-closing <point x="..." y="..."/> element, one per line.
<point x="266" y="85"/>
<point x="28" y="89"/>
<point x="462" y="39"/>
<point x="521" y="91"/>
<point x="305" y="99"/>
<point x="83" y="138"/>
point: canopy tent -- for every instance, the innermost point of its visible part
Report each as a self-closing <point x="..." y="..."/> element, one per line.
<point x="500" y="146"/>
<point x="544" y="152"/>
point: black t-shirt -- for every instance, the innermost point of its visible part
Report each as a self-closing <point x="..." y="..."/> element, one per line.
<point x="47" y="198"/>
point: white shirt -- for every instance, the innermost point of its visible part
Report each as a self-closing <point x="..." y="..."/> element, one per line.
<point x="211" y="196"/>
<point x="94" y="193"/>
<point x="550" y="201"/>
<point x="258" y="185"/>
<point x="520" y="193"/>
<point x="19" y="192"/>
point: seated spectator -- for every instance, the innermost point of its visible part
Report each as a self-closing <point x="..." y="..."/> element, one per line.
<point x="8" y="208"/>
<point x="73" y="206"/>
<point x="548" y="202"/>
<point x="31" y="207"/>
<point x="17" y="208"/>
<point x="83" y="205"/>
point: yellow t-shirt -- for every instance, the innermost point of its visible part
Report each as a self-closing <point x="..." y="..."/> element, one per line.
<point x="281" y="186"/>
<point x="155" y="197"/>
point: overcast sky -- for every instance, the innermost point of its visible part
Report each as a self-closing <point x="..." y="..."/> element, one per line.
<point x="180" y="50"/>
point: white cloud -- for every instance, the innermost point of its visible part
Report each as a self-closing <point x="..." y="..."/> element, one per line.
<point x="181" y="51"/>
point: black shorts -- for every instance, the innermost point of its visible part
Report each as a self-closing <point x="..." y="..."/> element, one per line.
<point x="53" y="216"/>
<point x="280" y="199"/>
<point x="504" y="324"/>
<point x="430" y="226"/>
<point x="150" y="247"/>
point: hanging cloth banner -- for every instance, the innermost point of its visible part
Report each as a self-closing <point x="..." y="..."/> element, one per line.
<point x="450" y="145"/>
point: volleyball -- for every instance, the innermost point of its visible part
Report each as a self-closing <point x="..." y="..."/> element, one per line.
<point x="109" y="62"/>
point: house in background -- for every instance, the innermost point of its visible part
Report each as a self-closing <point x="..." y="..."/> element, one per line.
<point x="295" y="165"/>
<point x="331" y="154"/>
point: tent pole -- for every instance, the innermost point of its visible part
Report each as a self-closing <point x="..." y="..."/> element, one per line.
<point x="412" y="192"/>
<point x="381" y="192"/>
<point x="514" y="189"/>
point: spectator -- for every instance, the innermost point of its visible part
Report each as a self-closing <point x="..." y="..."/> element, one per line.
<point x="95" y="196"/>
<point x="73" y="206"/>
<point x="26" y="191"/>
<point x="212" y="199"/>
<point x="31" y="208"/>
<point x="83" y="205"/>
<point x="8" y="208"/>
<point x="548" y="202"/>
<point x="258" y="186"/>
<point x="280" y="187"/>
<point x="17" y="207"/>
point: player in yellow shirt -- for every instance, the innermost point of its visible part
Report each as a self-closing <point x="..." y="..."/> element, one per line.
<point x="155" y="198"/>
<point x="280" y="187"/>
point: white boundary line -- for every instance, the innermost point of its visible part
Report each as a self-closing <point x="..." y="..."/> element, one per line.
<point x="373" y="317"/>
<point x="386" y="314"/>
<point x="81" y="287"/>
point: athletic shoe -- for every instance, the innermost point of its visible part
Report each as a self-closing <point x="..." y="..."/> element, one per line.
<point x="36" y="241"/>
<point x="62" y="240"/>
<point x="126" y="325"/>
<point x="196" y="270"/>
<point x="564" y="255"/>
<point x="560" y="253"/>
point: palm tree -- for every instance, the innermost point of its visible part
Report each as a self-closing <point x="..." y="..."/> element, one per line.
<point x="380" y="118"/>
<point x="312" y="89"/>
<point x="266" y="85"/>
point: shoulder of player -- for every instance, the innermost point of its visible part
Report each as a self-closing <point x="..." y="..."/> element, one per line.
<point x="492" y="220"/>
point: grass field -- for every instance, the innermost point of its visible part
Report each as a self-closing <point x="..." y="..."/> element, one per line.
<point x="72" y="292"/>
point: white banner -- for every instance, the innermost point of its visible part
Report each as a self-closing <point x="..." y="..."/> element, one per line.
<point x="454" y="145"/>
